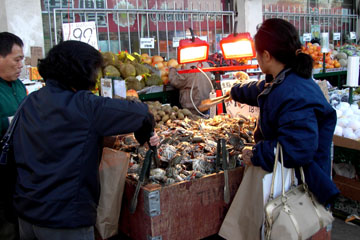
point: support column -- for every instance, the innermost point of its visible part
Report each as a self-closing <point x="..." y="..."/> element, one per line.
<point x="23" y="18"/>
<point x="249" y="15"/>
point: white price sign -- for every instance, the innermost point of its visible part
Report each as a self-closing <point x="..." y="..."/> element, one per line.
<point x="236" y="109"/>
<point x="336" y="36"/>
<point x="352" y="35"/>
<point x="307" y="37"/>
<point x="81" y="31"/>
<point x="148" y="43"/>
<point x="176" y="40"/>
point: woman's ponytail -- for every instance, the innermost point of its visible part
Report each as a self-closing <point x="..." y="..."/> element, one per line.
<point x="303" y="65"/>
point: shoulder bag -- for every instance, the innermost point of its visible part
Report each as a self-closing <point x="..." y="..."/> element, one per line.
<point x="295" y="214"/>
<point x="6" y="141"/>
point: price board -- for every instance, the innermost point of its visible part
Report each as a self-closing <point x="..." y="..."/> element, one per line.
<point x="352" y="35"/>
<point x="176" y="40"/>
<point x="81" y="31"/>
<point x="236" y="109"/>
<point x="307" y="37"/>
<point x="336" y="36"/>
<point x="147" y="43"/>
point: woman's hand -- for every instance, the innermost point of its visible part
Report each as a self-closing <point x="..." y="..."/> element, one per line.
<point x="228" y="94"/>
<point x="154" y="140"/>
<point x="247" y="155"/>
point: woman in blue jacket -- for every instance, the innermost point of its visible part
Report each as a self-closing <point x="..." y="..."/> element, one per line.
<point x="58" y="144"/>
<point x="293" y="110"/>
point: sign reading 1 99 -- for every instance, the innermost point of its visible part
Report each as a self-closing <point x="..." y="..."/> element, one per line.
<point x="81" y="31"/>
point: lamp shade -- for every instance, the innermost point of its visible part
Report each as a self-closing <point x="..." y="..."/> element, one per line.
<point x="237" y="46"/>
<point x="192" y="50"/>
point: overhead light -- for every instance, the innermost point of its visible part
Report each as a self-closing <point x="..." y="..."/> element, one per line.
<point x="238" y="45"/>
<point x="192" y="50"/>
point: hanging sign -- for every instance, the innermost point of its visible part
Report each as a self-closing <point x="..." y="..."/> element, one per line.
<point x="148" y="43"/>
<point x="81" y="31"/>
<point x="106" y="87"/>
<point x="307" y="37"/>
<point x="352" y="35"/>
<point x="336" y="36"/>
<point x="176" y="40"/>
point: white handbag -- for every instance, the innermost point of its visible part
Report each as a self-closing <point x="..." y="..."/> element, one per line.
<point x="295" y="214"/>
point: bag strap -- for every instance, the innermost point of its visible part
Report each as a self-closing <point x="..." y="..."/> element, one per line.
<point x="279" y="153"/>
<point x="5" y="141"/>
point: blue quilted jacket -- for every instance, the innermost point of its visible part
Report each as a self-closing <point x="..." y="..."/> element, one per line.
<point x="294" y="112"/>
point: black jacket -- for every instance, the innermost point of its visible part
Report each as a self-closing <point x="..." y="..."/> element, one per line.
<point x="58" y="144"/>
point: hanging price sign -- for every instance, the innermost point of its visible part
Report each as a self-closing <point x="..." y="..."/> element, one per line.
<point x="81" y="31"/>
<point x="147" y="43"/>
<point x="336" y="36"/>
<point x="307" y="37"/>
<point x="352" y="35"/>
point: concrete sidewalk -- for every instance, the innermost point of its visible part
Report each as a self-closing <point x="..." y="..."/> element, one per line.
<point x="344" y="231"/>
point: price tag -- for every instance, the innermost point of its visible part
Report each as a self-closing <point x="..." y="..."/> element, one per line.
<point x="81" y="31"/>
<point x="175" y="41"/>
<point x="307" y="37"/>
<point x="235" y="109"/>
<point x="119" y="88"/>
<point x="131" y="58"/>
<point x="352" y="35"/>
<point x="336" y="36"/>
<point x="106" y="87"/>
<point x="148" y="43"/>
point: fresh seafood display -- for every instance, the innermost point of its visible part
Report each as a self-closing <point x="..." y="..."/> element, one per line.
<point x="188" y="148"/>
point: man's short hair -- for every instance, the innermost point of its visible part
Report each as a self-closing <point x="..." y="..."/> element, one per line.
<point x="7" y="41"/>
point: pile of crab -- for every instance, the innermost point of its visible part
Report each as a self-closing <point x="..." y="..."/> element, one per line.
<point x="188" y="148"/>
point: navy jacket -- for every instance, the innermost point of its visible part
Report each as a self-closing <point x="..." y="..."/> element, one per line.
<point x="294" y="112"/>
<point x="58" y="144"/>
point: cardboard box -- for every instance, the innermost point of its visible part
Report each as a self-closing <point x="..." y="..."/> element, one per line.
<point x="36" y="54"/>
<point x="186" y="210"/>
<point x="346" y="142"/>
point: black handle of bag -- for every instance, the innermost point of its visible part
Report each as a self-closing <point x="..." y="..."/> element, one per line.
<point x="5" y="141"/>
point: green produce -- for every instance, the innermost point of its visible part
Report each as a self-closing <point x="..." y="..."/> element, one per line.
<point x="141" y="69"/>
<point x="343" y="62"/>
<point x="110" y="58"/>
<point x="127" y="70"/>
<point x="153" y="80"/>
<point x="111" y="71"/>
<point x="134" y="83"/>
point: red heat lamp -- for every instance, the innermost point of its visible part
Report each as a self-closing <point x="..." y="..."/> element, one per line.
<point x="192" y="50"/>
<point x="238" y="46"/>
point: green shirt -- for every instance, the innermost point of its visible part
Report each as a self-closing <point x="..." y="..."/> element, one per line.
<point x="11" y="95"/>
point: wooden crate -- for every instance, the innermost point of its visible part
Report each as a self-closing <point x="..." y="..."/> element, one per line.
<point x="187" y="210"/>
<point x="349" y="188"/>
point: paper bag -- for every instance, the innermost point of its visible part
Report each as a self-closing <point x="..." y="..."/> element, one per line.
<point x="244" y="219"/>
<point x="112" y="172"/>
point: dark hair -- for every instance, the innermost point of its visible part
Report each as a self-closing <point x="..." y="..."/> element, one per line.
<point x="7" y="41"/>
<point x="280" y="38"/>
<point x="73" y="64"/>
